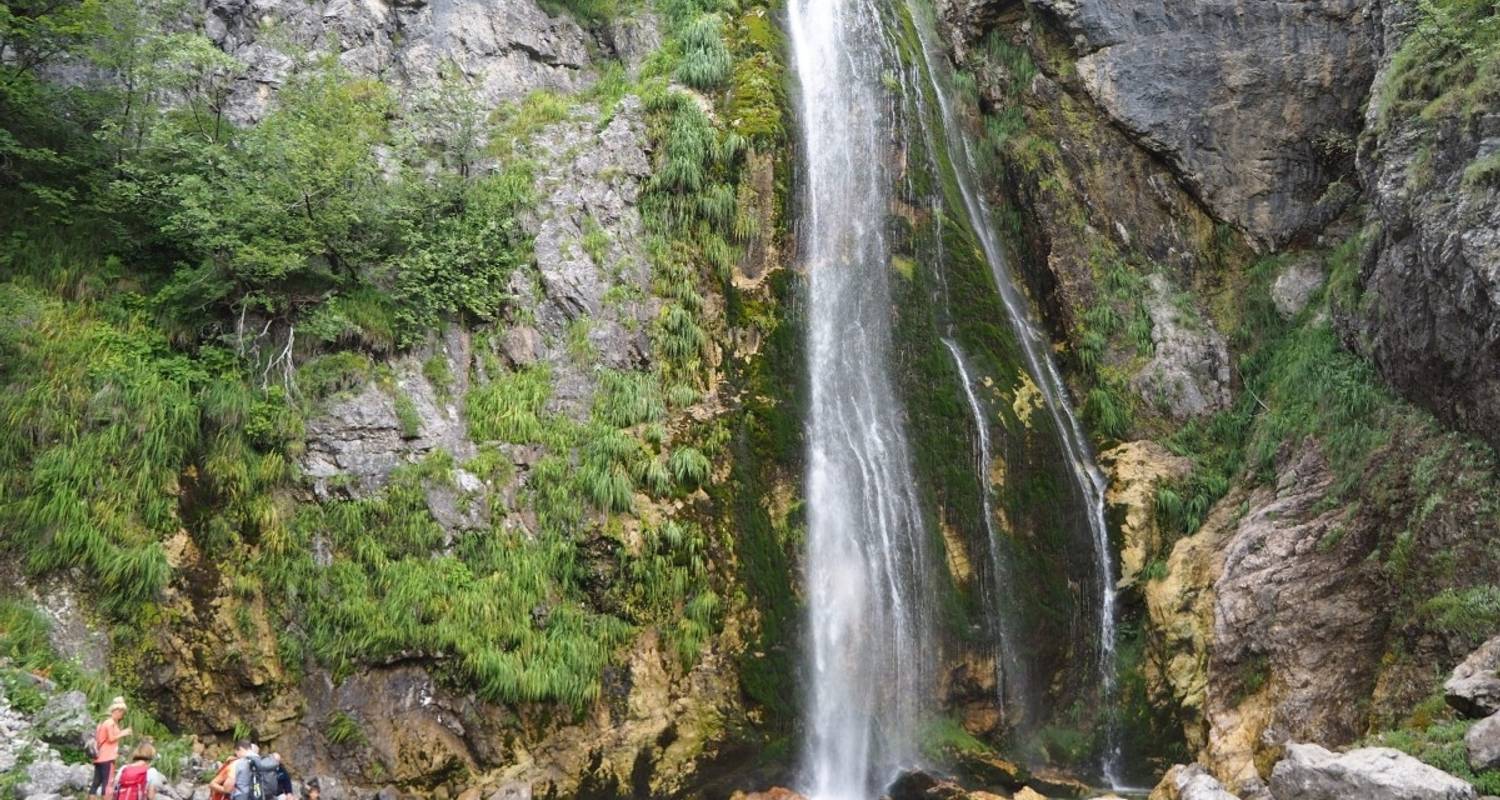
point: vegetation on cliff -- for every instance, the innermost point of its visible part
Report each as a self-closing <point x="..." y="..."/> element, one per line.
<point x="183" y="294"/>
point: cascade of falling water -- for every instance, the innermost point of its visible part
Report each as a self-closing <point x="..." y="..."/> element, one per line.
<point x="1087" y="478"/>
<point x="1010" y="667"/>
<point x="870" y="623"/>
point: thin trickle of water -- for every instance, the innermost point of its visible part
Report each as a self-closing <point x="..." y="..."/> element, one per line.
<point x="870" y="624"/>
<point x="1087" y="478"/>
<point x="1013" y="686"/>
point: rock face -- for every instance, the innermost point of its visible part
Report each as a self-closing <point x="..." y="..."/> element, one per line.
<point x="503" y="48"/>
<point x="1429" y="314"/>
<point x="415" y="731"/>
<point x="591" y="294"/>
<point x="1310" y="772"/>
<point x="1297" y="630"/>
<point x="1235" y="95"/>
<point x="1474" y="687"/>
<point x="1188" y="376"/>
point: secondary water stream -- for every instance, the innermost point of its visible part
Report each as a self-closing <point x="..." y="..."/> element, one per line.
<point x="1088" y="480"/>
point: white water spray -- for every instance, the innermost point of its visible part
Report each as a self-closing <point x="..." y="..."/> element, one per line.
<point x="870" y="626"/>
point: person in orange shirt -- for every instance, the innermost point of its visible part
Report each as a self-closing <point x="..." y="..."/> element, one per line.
<point x="223" y="783"/>
<point x="107" y="739"/>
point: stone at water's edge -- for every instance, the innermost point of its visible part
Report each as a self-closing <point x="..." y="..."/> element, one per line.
<point x="1310" y="772"/>
<point x="1190" y="782"/>
<point x="1474" y="687"/>
<point x="774" y="793"/>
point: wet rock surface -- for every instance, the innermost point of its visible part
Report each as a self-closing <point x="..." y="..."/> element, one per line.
<point x="1310" y="772"/>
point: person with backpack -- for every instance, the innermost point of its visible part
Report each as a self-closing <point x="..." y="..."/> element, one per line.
<point x="254" y="777"/>
<point x="134" y="782"/>
<point x="104" y="747"/>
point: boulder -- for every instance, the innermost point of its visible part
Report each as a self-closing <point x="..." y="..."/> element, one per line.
<point x="916" y="784"/>
<point x="1190" y="782"/>
<point x="1474" y="687"/>
<point x="54" y="777"/>
<point x="1295" y="285"/>
<point x="1483" y="743"/>
<point x="1310" y="772"/>
<point x="65" y="719"/>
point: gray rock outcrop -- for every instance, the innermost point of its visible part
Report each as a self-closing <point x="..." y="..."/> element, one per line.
<point x="1474" y="687"/>
<point x="1310" y="772"/>
<point x="1429" y="312"/>
<point x="359" y="438"/>
<point x="504" y="49"/>
<point x="1483" y="744"/>
<point x="54" y="777"/>
<point x="1295" y="285"/>
<point x="65" y="719"/>
<point x="592" y="286"/>
<point x="1188" y="376"/>
<point x="1236" y="95"/>
<point x="1190" y="782"/>
<point x="1298" y="624"/>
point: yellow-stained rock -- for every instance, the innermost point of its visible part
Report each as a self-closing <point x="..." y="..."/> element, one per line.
<point x="1027" y="400"/>
<point x="1181" y="608"/>
<point x="1136" y="469"/>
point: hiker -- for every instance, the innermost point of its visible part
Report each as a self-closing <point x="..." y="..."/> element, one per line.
<point x="107" y="746"/>
<point x="134" y="782"/>
<point x="312" y="791"/>
<point x="254" y="776"/>
<point x="222" y="785"/>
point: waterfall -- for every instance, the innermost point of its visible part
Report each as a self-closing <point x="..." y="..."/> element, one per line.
<point x="1088" y="480"/>
<point x="871" y="638"/>
<point x="1013" y="686"/>
<point x="871" y="635"/>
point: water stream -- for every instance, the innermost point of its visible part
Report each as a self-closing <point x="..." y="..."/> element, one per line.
<point x="1088" y="480"/>
<point x="1011" y="679"/>
<point x="872" y="643"/>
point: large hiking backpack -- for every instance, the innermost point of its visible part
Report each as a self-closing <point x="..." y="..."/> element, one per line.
<point x="262" y="781"/>
<point x="91" y="744"/>
<point x="132" y="783"/>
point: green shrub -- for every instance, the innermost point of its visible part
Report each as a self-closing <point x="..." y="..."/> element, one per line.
<point x="689" y="467"/>
<point x="706" y="62"/>
<point x="509" y="407"/>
